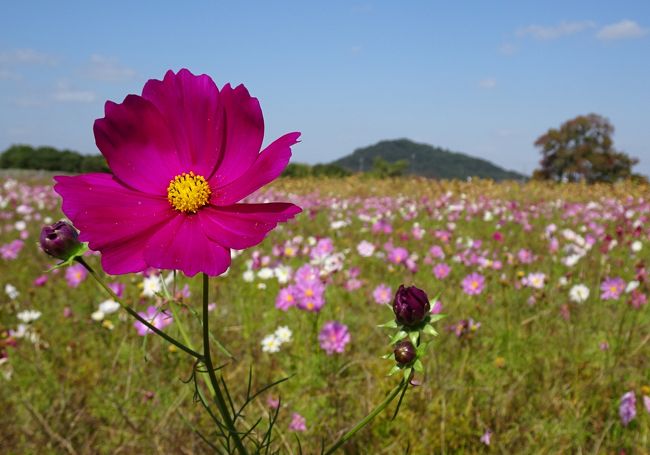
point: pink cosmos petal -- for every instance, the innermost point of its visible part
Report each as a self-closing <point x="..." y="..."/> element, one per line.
<point x="112" y="218"/>
<point x="244" y="225"/>
<point x="244" y="133"/>
<point x="268" y="166"/>
<point x="190" y="107"/>
<point x="135" y="140"/>
<point x="181" y="244"/>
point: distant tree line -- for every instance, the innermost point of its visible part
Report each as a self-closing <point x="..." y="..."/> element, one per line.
<point x="50" y="159"/>
<point x="302" y="170"/>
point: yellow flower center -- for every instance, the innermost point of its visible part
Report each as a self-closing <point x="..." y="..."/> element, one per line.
<point x="188" y="192"/>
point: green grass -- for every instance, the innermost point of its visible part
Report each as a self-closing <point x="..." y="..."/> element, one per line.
<point x="537" y="380"/>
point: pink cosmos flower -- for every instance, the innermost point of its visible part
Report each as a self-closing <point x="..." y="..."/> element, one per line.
<point x="382" y="294"/>
<point x="182" y="155"/>
<point x="286" y="298"/>
<point x="441" y="271"/>
<point x="627" y="408"/>
<point x="334" y="337"/>
<point x="473" y="284"/>
<point x="156" y="317"/>
<point x="612" y="288"/>
<point x="298" y="422"/>
<point x="398" y="255"/>
<point x="75" y="274"/>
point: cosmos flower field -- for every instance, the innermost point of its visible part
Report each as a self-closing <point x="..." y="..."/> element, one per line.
<point x="544" y="348"/>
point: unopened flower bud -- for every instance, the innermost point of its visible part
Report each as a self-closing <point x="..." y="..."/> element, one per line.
<point x="404" y="352"/>
<point x="411" y="305"/>
<point x="60" y="240"/>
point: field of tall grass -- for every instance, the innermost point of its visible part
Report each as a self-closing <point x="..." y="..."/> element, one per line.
<point x="544" y="348"/>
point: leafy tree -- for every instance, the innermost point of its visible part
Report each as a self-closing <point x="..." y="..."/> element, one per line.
<point x="384" y="169"/>
<point x="582" y="150"/>
<point x="50" y="159"/>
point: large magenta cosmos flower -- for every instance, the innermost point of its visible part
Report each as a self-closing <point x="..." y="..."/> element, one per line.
<point x="182" y="155"/>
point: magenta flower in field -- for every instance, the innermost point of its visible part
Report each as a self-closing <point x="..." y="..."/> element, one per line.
<point x="286" y="298"/>
<point x="398" y="255"/>
<point x="75" y="274"/>
<point x="156" y="317"/>
<point x="182" y="155"/>
<point x="441" y="271"/>
<point x="646" y="403"/>
<point x="612" y="288"/>
<point x="525" y="256"/>
<point x="298" y="422"/>
<point x="334" y="337"/>
<point x="627" y="408"/>
<point x="382" y="294"/>
<point x="310" y="295"/>
<point x="487" y="436"/>
<point x="473" y="284"/>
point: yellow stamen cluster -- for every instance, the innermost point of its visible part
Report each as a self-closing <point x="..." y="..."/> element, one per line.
<point x="188" y="192"/>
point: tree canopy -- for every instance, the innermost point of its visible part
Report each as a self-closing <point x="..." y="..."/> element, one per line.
<point x="50" y="159"/>
<point x="582" y="149"/>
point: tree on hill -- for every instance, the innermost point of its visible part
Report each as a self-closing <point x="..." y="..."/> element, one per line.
<point x="384" y="169"/>
<point x="582" y="150"/>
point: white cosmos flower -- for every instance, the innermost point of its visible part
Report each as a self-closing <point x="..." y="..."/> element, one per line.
<point x="579" y="293"/>
<point x="109" y="306"/>
<point x="282" y="273"/>
<point x="365" y="249"/>
<point x="28" y="316"/>
<point x="248" y="276"/>
<point x="631" y="286"/>
<point x="11" y="291"/>
<point x="271" y="344"/>
<point x="283" y="334"/>
<point x="151" y="286"/>
<point x="97" y="316"/>
<point x="636" y="246"/>
<point x="265" y="273"/>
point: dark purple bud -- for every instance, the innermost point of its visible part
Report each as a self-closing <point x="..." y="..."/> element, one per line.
<point x="404" y="352"/>
<point x="411" y="305"/>
<point x="60" y="240"/>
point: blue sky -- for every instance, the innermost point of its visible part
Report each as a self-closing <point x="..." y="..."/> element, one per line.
<point x="483" y="78"/>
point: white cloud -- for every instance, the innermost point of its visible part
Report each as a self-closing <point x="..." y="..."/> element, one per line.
<point x="27" y="57"/>
<point x="622" y="30"/>
<point x="488" y="84"/>
<point x="65" y="94"/>
<point x="108" y="69"/>
<point x="355" y="50"/>
<point x="545" y="33"/>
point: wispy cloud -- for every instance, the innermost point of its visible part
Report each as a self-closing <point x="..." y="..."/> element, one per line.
<point x="108" y="69"/>
<point x="488" y="83"/>
<point x="625" y="29"/>
<point x="545" y="33"/>
<point x="65" y="94"/>
<point x="27" y="57"/>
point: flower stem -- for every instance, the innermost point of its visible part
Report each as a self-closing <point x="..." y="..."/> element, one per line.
<point x="207" y="360"/>
<point x="135" y="314"/>
<point x="367" y="419"/>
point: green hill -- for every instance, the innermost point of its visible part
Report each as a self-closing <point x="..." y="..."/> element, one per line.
<point x="425" y="160"/>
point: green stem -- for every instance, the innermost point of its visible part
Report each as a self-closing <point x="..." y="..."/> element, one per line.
<point x="207" y="360"/>
<point x="135" y="314"/>
<point x="367" y="419"/>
